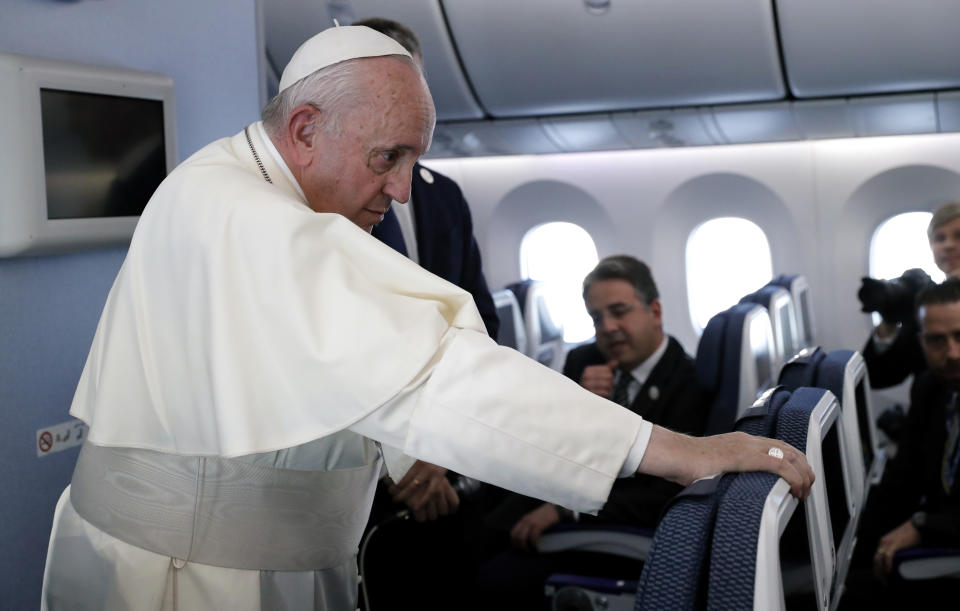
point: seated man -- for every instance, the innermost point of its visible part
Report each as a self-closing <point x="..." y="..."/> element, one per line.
<point x="634" y="363"/>
<point x="917" y="503"/>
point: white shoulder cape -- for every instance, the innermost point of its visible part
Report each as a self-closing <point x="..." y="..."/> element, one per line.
<point x="241" y="321"/>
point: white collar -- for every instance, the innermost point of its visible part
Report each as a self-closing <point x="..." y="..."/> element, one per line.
<point x="641" y="372"/>
<point x="278" y="159"/>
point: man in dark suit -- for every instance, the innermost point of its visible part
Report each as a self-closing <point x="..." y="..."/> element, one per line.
<point x="435" y="230"/>
<point x="443" y="235"/>
<point x="918" y="501"/>
<point x="634" y="363"/>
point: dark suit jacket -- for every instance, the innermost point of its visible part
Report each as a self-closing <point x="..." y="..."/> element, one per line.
<point x="901" y="359"/>
<point x="680" y="405"/>
<point x="445" y="242"/>
<point x="912" y="480"/>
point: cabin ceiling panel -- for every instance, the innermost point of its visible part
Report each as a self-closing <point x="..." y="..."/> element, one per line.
<point x="894" y="115"/>
<point x="541" y="57"/>
<point x="486" y="138"/>
<point x="744" y="123"/>
<point x="864" y="46"/>
<point x="667" y="128"/>
<point x="948" y="111"/>
<point x="584" y="133"/>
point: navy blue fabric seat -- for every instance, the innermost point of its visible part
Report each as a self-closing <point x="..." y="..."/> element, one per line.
<point x="779" y="305"/>
<point x="675" y="574"/>
<point x="734" y="362"/>
<point x="800" y="291"/>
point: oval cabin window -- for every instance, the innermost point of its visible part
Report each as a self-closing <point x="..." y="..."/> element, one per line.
<point x="900" y="243"/>
<point x="560" y="255"/>
<point x="727" y="258"/>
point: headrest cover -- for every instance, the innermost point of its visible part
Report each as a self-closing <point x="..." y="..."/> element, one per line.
<point x="335" y="45"/>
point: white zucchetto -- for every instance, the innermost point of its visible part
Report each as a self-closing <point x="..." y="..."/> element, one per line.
<point x="335" y="45"/>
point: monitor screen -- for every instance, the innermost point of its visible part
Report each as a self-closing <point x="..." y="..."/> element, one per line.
<point x="104" y="155"/>
<point x="805" y="317"/>
<point x="507" y="334"/>
<point x="786" y="334"/>
<point x="836" y="488"/>
<point x="92" y="143"/>
<point x="863" y="419"/>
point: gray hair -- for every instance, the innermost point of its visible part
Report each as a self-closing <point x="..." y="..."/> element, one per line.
<point x="333" y="89"/>
<point x="630" y="269"/>
<point x="941" y="215"/>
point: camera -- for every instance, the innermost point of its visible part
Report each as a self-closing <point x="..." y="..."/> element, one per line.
<point x="893" y="299"/>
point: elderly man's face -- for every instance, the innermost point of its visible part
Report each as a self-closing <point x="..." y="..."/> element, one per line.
<point x="359" y="171"/>
<point x="940" y="337"/>
<point x="628" y="330"/>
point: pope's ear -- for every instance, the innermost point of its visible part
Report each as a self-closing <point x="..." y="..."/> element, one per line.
<point x="302" y="130"/>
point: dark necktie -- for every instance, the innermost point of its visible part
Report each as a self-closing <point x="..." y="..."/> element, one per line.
<point x="388" y="232"/>
<point x="621" y="392"/>
<point x="951" y="449"/>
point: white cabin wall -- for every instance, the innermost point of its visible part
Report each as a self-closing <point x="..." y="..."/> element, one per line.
<point x="819" y="203"/>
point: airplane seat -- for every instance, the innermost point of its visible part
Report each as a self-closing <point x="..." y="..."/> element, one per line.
<point x="779" y="304"/>
<point x="675" y="574"/>
<point x="761" y="418"/>
<point x="544" y="334"/>
<point x="812" y="421"/>
<point x="789" y="561"/>
<point x="512" y="333"/>
<point x="844" y="372"/>
<point x="745" y="558"/>
<point x="734" y="362"/>
<point x="800" y="291"/>
<point x="922" y="563"/>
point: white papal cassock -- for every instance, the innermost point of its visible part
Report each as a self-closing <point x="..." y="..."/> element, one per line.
<point x="249" y="351"/>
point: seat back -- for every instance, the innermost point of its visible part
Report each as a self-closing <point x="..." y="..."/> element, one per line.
<point x="779" y="305"/>
<point x="810" y="421"/>
<point x="734" y="362"/>
<point x="840" y="373"/>
<point x="802" y="308"/>
<point x="844" y="373"/>
<point x="512" y="332"/>
<point x="544" y="334"/>
<point x="745" y="563"/>
<point x="675" y="574"/>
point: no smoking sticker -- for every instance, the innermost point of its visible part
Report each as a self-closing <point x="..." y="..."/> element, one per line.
<point x="60" y="437"/>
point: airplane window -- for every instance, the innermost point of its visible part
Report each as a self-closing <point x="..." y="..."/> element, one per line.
<point x="900" y="243"/>
<point x="727" y="258"/>
<point x="560" y="255"/>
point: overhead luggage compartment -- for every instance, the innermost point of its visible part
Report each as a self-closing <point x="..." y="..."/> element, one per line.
<point x="866" y="47"/>
<point x="290" y="22"/>
<point x="542" y="57"/>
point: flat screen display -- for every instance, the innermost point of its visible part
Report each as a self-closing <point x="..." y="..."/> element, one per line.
<point x="103" y="155"/>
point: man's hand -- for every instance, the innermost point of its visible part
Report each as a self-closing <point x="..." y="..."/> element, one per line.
<point x="426" y="492"/>
<point x="684" y="459"/>
<point x="598" y="379"/>
<point x="525" y="534"/>
<point x="903" y="536"/>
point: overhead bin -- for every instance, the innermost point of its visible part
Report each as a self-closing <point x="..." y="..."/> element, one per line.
<point x="863" y="46"/>
<point x="542" y="57"/>
<point x="290" y="22"/>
